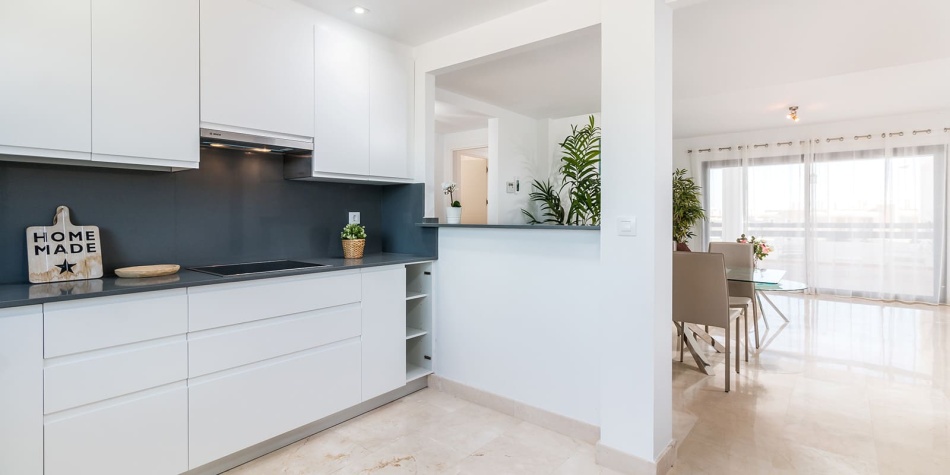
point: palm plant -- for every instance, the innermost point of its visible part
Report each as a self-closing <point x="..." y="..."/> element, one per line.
<point x="580" y="182"/>
<point x="580" y="167"/>
<point x="552" y="212"/>
<point x="687" y="207"/>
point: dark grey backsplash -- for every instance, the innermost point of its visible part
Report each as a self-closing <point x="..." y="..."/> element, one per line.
<point x="237" y="207"/>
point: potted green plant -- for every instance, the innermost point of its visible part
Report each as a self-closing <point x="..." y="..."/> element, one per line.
<point x="687" y="208"/>
<point x="579" y="178"/>
<point x="453" y="212"/>
<point x="354" y="241"/>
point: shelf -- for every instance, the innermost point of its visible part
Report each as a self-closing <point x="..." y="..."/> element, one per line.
<point x="414" y="332"/>
<point x="414" y="372"/>
<point x="410" y="295"/>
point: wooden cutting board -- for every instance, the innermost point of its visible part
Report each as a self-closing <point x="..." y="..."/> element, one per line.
<point x="140" y="272"/>
<point x="63" y="251"/>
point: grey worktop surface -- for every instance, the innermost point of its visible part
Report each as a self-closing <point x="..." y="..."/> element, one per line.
<point x="511" y="226"/>
<point x="18" y="295"/>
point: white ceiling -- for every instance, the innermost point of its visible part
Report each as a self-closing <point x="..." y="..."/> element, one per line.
<point x="739" y="64"/>
<point x="450" y="118"/>
<point x="414" y="22"/>
<point x="560" y="78"/>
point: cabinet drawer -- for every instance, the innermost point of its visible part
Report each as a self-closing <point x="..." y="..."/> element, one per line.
<point x="230" y="347"/>
<point x="236" y="411"/>
<point x="229" y="304"/>
<point x="113" y="373"/>
<point x="91" y="324"/>
<point x="145" y="436"/>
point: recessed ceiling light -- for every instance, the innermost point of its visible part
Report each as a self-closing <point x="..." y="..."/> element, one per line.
<point x="360" y="10"/>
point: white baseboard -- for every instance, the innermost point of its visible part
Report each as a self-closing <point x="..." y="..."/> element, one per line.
<point x="549" y="420"/>
<point x="630" y="464"/>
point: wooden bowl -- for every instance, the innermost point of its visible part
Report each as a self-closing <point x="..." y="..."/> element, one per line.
<point x="139" y="272"/>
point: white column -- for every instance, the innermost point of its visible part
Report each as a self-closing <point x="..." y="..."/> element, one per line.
<point x="636" y="399"/>
<point x="424" y="150"/>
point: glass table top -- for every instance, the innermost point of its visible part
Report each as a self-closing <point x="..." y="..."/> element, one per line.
<point x="783" y="286"/>
<point x="759" y="276"/>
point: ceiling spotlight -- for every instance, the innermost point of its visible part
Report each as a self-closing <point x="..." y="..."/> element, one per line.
<point x="793" y="113"/>
<point x="360" y="10"/>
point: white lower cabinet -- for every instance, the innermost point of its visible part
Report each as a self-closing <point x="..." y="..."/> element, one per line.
<point x="169" y="381"/>
<point x="21" y="390"/>
<point x="231" y="411"/>
<point x="384" y="330"/>
<point x="146" y="434"/>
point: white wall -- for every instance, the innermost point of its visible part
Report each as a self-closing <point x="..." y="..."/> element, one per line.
<point x="514" y="153"/>
<point x="514" y="316"/>
<point x="636" y="271"/>
<point x="630" y="278"/>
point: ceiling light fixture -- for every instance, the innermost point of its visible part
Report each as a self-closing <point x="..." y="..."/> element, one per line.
<point x="360" y="10"/>
<point x="793" y="113"/>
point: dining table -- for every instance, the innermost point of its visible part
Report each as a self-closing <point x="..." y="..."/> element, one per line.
<point x="765" y="280"/>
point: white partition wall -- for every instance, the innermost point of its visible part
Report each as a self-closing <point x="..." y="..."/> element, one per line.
<point x="514" y="316"/>
<point x="636" y="271"/>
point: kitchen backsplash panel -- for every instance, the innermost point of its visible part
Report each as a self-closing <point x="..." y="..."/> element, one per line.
<point x="236" y="208"/>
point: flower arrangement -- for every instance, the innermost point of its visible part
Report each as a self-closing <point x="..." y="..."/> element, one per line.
<point x="760" y="248"/>
<point x="353" y="231"/>
<point x="449" y="189"/>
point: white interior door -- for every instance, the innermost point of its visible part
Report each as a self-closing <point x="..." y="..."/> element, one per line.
<point x="474" y="190"/>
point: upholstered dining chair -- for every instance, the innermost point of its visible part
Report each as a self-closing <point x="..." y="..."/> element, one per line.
<point x="741" y="294"/>
<point x="701" y="296"/>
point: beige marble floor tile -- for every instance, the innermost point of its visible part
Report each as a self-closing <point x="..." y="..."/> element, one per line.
<point x="846" y="387"/>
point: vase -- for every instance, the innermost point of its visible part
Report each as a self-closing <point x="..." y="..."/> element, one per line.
<point x="353" y="248"/>
<point x="453" y="215"/>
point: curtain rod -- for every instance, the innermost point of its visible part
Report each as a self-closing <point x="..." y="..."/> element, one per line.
<point x="832" y="139"/>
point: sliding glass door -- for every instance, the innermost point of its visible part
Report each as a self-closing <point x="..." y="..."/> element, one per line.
<point x="849" y="222"/>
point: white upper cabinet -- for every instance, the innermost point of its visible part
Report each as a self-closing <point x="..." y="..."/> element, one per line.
<point x="389" y="98"/>
<point x="257" y="67"/>
<point x="363" y="97"/>
<point x="145" y="82"/>
<point x="341" y="137"/>
<point x="45" y="78"/>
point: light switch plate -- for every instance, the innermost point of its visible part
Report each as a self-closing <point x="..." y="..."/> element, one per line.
<point x="354" y="217"/>
<point x="626" y="226"/>
<point x="511" y="187"/>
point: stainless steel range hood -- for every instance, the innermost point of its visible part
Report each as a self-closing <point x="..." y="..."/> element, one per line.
<point x="254" y="143"/>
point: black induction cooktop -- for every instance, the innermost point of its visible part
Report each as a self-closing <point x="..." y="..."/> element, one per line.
<point x="230" y="270"/>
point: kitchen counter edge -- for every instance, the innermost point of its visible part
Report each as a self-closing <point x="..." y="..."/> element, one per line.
<point x="22" y="295"/>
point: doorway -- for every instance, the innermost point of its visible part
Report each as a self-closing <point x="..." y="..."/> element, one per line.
<point x="473" y="186"/>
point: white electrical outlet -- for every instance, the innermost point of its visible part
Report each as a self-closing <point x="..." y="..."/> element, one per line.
<point x="354" y="217"/>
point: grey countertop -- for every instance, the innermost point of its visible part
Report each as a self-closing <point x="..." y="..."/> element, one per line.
<point x="551" y="227"/>
<point x="18" y="295"/>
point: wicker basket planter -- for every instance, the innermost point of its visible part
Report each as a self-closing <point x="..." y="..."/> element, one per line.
<point x="353" y="248"/>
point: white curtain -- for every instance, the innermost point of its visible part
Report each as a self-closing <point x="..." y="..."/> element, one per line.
<point x="862" y="216"/>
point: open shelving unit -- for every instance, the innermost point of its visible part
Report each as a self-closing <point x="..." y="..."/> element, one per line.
<point x="418" y="320"/>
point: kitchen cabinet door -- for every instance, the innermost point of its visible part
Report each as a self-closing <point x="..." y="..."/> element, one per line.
<point x="45" y="80"/>
<point x="342" y="134"/>
<point x="389" y="102"/>
<point x="384" y="330"/>
<point x="144" y="434"/>
<point x="145" y="82"/>
<point x="257" y="67"/>
<point x="21" y="390"/>
<point x="238" y="408"/>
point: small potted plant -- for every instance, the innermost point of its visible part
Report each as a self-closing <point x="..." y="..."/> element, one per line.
<point x="453" y="212"/>
<point x="354" y="241"/>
